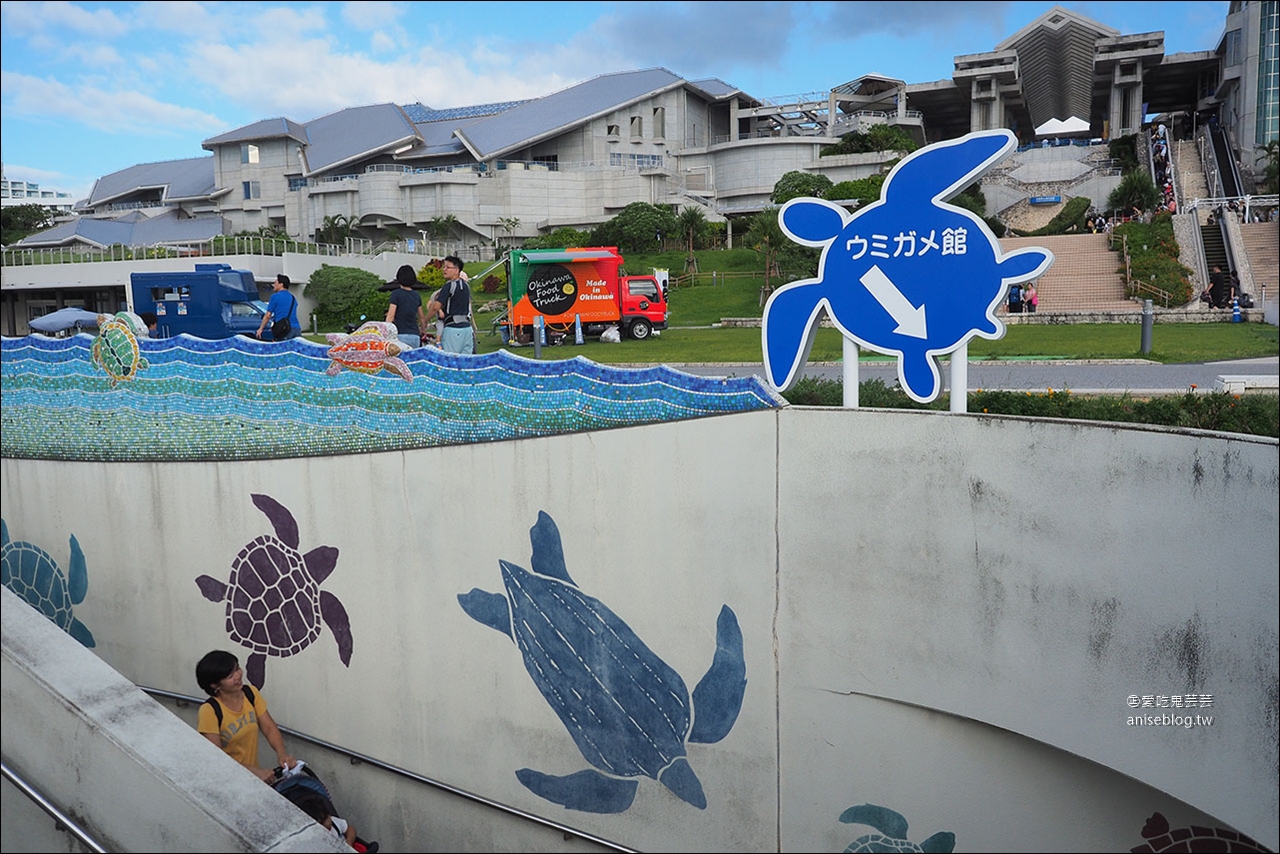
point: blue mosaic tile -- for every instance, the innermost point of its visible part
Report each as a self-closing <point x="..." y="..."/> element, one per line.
<point x="244" y="399"/>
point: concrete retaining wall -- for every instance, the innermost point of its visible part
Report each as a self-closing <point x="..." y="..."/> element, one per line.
<point x="944" y="616"/>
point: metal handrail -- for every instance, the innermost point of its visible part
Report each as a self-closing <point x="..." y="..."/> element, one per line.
<point x="360" y="758"/>
<point x="36" y="797"/>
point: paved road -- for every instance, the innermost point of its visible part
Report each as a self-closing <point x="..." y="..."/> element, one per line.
<point x="1133" y="376"/>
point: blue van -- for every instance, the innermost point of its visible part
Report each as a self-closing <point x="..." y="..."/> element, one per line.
<point x="212" y="302"/>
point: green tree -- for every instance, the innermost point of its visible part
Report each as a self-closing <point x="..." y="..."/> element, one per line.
<point x="765" y="236"/>
<point x="562" y="238"/>
<point x="640" y="227"/>
<point x="795" y="184"/>
<point x="879" y="138"/>
<point x="335" y="229"/>
<point x="971" y="199"/>
<point x="693" y="230"/>
<point x="343" y="294"/>
<point x="865" y="190"/>
<point x="509" y="224"/>
<point x="1135" y="190"/>
<point x="441" y="226"/>
<point x="21" y="221"/>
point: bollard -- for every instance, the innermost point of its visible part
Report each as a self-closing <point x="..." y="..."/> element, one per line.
<point x="1148" y="316"/>
<point x="577" y="329"/>
<point x="1235" y="310"/>
<point x="539" y="332"/>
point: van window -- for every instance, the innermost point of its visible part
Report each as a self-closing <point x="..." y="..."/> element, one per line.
<point x="647" y="288"/>
<point x="244" y="309"/>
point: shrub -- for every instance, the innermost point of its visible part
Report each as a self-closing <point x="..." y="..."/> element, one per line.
<point x="1255" y="415"/>
<point x="491" y="284"/>
<point x="343" y="294"/>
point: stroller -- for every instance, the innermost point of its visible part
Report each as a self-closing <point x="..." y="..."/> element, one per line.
<point x="302" y="785"/>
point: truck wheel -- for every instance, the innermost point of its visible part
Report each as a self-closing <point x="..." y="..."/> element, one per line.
<point x="640" y="329"/>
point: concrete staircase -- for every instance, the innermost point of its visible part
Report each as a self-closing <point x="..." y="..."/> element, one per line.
<point x="1084" y="277"/>
<point x="1262" y="246"/>
<point x="1191" y="182"/>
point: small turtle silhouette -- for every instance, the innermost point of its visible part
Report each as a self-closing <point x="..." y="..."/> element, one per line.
<point x="30" y="572"/>
<point x="1194" y="838"/>
<point x="627" y="710"/>
<point x="368" y="350"/>
<point x="274" y="601"/>
<point x="115" y="350"/>
<point x="908" y="274"/>
<point x="893" y="832"/>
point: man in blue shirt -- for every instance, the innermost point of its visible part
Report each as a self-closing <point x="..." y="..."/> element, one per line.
<point x="282" y="305"/>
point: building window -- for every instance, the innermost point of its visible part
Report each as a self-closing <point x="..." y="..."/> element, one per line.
<point x="252" y="190"/>
<point x="248" y="152"/>
<point x="1235" y="48"/>
<point x="660" y="122"/>
<point x="614" y="132"/>
<point x="296" y="183"/>
<point x="637" y="127"/>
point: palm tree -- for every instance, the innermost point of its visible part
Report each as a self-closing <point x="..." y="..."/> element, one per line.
<point x="441" y="227"/>
<point x="335" y="229"/>
<point x="509" y="224"/>
<point x="765" y="236"/>
<point x="692" y="226"/>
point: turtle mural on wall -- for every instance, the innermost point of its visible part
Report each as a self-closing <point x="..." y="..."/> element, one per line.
<point x="891" y="832"/>
<point x="371" y="349"/>
<point x="116" y="350"/>
<point x="1194" y="838"/>
<point x="627" y="710"/>
<point x="31" y="573"/>
<point x="275" y="606"/>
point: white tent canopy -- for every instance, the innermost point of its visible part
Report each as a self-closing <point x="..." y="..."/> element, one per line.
<point x="1063" y="127"/>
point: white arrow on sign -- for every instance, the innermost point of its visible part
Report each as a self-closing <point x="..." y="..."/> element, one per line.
<point x="910" y="319"/>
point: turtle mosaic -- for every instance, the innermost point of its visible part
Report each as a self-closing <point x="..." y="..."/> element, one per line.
<point x="32" y="574"/>
<point x="627" y="710"/>
<point x="1194" y="838"/>
<point x="274" y="602"/>
<point x="115" y="350"/>
<point x="892" y="835"/>
<point x="907" y="275"/>
<point x="371" y="348"/>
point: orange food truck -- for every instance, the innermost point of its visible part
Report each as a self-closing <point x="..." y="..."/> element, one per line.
<point x="564" y="285"/>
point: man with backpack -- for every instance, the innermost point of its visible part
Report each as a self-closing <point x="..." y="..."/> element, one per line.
<point x="1015" y="299"/>
<point x="234" y="713"/>
<point x="453" y="305"/>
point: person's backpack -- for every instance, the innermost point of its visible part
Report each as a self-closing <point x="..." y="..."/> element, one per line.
<point x="217" y="707"/>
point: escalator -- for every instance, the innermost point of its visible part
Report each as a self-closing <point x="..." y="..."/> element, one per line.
<point x="1227" y="170"/>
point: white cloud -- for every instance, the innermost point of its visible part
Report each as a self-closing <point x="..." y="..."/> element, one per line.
<point x="116" y="112"/>
<point x="32" y="18"/>
<point x="371" y="14"/>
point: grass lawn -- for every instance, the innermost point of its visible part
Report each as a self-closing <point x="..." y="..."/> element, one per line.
<point x="1171" y="343"/>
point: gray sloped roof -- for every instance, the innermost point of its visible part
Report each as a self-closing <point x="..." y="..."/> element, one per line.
<point x="356" y="133"/>
<point x="715" y="87"/>
<point x="542" y="117"/>
<point x="182" y="179"/>
<point x="129" y="231"/>
<point x="265" y="129"/>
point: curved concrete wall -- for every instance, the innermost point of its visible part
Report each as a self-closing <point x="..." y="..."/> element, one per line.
<point x="943" y="616"/>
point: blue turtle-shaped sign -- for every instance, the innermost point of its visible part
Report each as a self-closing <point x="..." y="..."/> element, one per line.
<point x="908" y="275"/>
<point x="627" y="710"/>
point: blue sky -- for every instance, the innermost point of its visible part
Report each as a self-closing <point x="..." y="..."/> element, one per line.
<point x="90" y="88"/>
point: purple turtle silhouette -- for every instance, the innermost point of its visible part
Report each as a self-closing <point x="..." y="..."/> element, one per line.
<point x="907" y="275"/>
<point x="274" y="600"/>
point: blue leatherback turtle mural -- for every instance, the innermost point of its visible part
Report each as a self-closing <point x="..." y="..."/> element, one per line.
<point x="907" y="275"/>
<point x="892" y="835"/>
<point x="33" y="574"/>
<point x="627" y="710"/>
<point x="274" y="601"/>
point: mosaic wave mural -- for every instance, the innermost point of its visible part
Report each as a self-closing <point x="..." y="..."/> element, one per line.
<point x="244" y="399"/>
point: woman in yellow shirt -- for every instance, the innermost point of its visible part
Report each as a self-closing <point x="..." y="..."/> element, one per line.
<point x="220" y="675"/>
